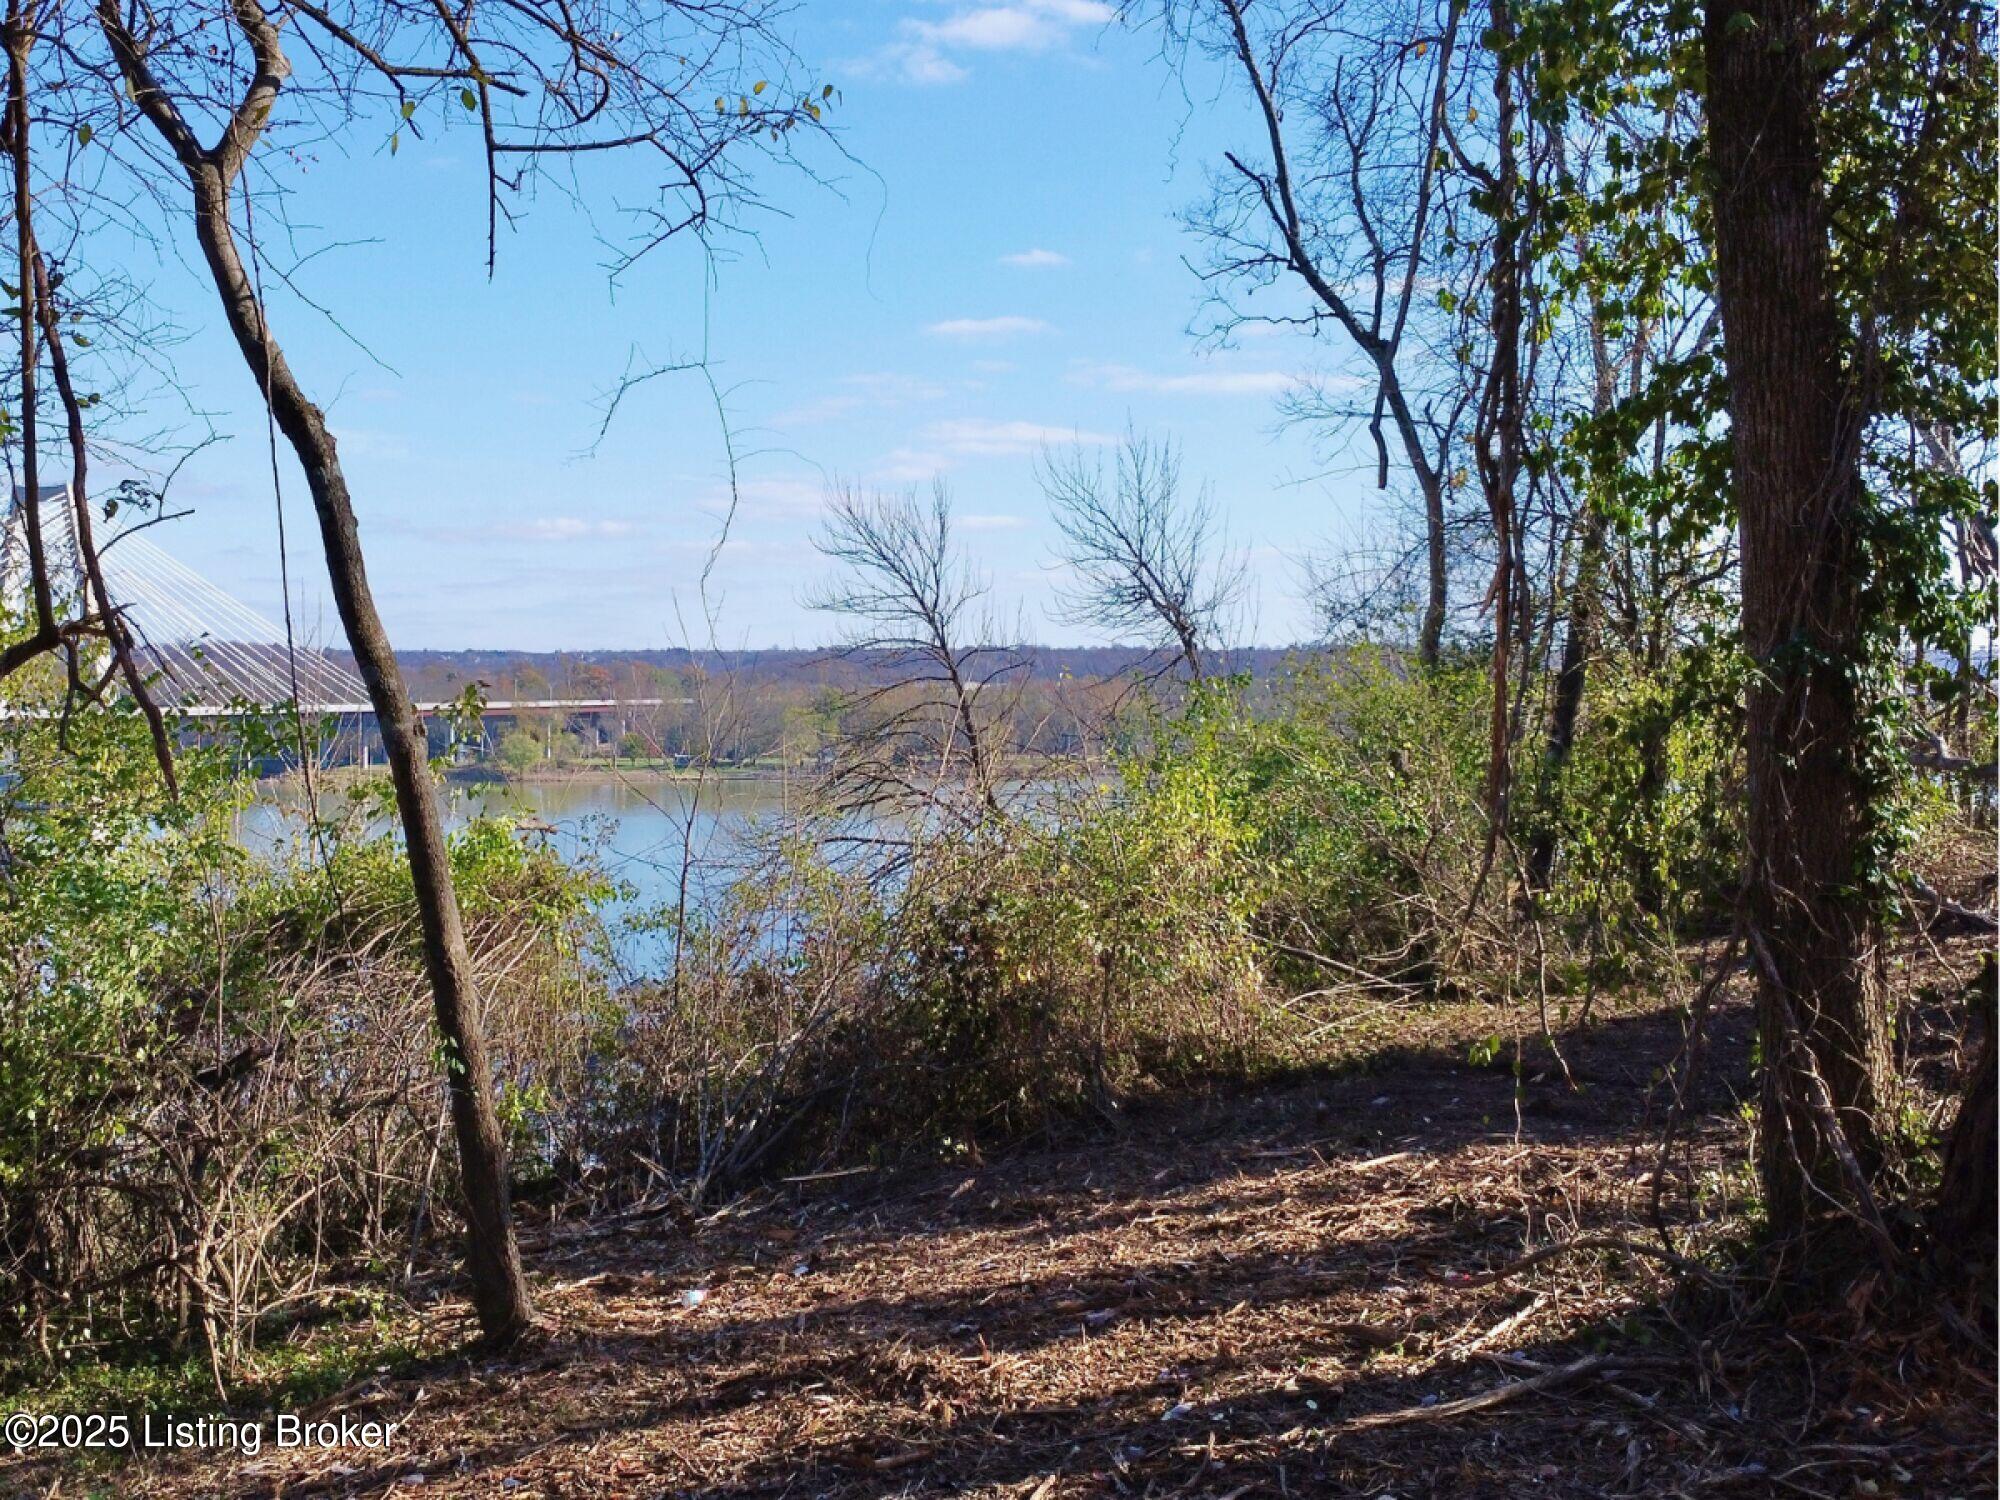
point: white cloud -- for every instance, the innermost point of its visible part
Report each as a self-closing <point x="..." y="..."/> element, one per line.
<point x="1035" y="260"/>
<point x="943" y="445"/>
<point x="982" y="437"/>
<point x="1114" y="377"/>
<point x="986" y="328"/>
<point x="561" y="529"/>
<point x="908" y="466"/>
<point x="923" y="51"/>
<point x="819" y="409"/>
<point x="775" y="499"/>
<point x="865" y="391"/>
<point x="988" y="523"/>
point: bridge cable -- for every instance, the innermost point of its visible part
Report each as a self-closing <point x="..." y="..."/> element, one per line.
<point x="284" y="558"/>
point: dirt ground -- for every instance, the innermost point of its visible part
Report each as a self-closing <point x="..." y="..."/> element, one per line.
<point x="1266" y="1294"/>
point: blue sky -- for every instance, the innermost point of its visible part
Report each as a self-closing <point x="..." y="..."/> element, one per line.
<point x="999" y="267"/>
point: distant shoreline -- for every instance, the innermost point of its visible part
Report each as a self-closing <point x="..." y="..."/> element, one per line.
<point x="482" y="775"/>
<point x="560" y="775"/>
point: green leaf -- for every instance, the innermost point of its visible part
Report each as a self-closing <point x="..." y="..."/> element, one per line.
<point x="83" y="134"/>
<point x="409" y="108"/>
<point x="757" y="87"/>
<point x="469" y="99"/>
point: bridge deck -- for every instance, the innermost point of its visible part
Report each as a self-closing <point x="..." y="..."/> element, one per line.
<point x="500" y="708"/>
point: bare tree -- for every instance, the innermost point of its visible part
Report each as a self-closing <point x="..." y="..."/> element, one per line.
<point x="1146" y="558"/>
<point x="41" y="331"/>
<point x="195" y="105"/>
<point x="500" y="1292"/>
<point x="922" y="632"/>
<point x="1368" y="579"/>
<point x="1346" y="203"/>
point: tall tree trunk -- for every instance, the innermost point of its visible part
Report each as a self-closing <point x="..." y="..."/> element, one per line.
<point x="39" y="596"/>
<point x="1379" y="345"/>
<point x="1430" y="638"/>
<point x="1498" y="433"/>
<point x="493" y="1260"/>
<point x="1821" y="1010"/>
<point x="1580" y="639"/>
<point x="499" y="1291"/>
<point x="1571" y="675"/>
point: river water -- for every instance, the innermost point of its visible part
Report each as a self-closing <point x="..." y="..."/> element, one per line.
<point x="637" y="828"/>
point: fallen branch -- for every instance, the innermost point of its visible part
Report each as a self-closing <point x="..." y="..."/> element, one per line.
<point x="1587" y="1242"/>
<point x="1500" y="1395"/>
<point x="1949" y="915"/>
<point x="1460" y="1352"/>
<point x="1625" y="1393"/>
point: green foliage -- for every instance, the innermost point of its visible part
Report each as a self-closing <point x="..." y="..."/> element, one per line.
<point x="1001" y="979"/>
<point x="1648" y="812"/>
<point x="216" y="1070"/>
<point x="1133" y="928"/>
<point x="1066" y="962"/>
<point x="362" y="1339"/>
<point x="104" y="875"/>
<point x="1354" y="807"/>
<point x="1904" y="121"/>
<point x="519" y="752"/>
<point x="1183" y="914"/>
<point x="1193" y="909"/>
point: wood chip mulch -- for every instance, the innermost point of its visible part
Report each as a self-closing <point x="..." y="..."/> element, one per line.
<point x="1272" y="1294"/>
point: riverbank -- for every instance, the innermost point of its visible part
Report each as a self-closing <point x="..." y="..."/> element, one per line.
<point x="640" y="771"/>
<point x="486" y="773"/>
<point x="638" y="826"/>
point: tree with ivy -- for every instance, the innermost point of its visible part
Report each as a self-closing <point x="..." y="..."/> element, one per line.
<point x="1806" y="166"/>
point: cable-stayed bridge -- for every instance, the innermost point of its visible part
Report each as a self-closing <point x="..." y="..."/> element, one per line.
<point x="205" y="654"/>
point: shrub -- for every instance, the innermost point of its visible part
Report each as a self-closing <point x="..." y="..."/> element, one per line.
<point x="1069" y="960"/>
<point x="519" y="752"/>
<point x="982" y="984"/>
<point x="1357" y="814"/>
<point x="1125" y="930"/>
<point x="217" y="1075"/>
<point x="1647" y="816"/>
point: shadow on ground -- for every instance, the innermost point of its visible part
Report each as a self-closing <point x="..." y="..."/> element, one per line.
<point x="1212" y="1299"/>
